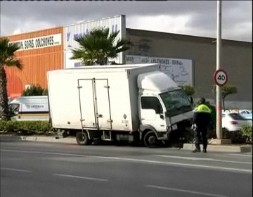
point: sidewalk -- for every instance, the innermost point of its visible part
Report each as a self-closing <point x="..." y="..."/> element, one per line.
<point x="233" y="148"/>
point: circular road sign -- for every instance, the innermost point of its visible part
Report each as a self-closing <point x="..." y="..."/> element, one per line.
<point x="220" y="77"/>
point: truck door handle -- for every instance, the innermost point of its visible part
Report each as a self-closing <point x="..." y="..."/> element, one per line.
<point x="161" y="116"/>
<point x="100" y="115"/>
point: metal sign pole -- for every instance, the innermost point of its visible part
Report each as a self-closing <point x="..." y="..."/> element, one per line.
<point x="218" y="60"/>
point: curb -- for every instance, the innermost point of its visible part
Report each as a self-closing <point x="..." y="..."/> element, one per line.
<point x="223" y="148"/>
<point x="12" y="138"/>
<point x="49" y="139"/>
<point x="71" y="140"/>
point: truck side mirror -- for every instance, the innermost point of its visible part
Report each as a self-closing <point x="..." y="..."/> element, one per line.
<point x="14" y="109"/>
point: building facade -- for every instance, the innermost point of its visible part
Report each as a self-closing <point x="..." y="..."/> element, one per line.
<point x="40" y="51"/>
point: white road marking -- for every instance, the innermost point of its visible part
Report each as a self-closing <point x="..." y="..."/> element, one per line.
<point x="187" y="158"/>
<point x="176" y="164"/>
<point x="81" y="177"/>
<point x="140" y="160"/>
<point x="44" y="153"/>
<point x="204" y="159"/>
<point x="242" y="155"/>
<point x="185" y="191"/>
<point x="16" y="170"/>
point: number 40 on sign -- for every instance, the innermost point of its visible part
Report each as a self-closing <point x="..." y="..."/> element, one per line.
<point x="220" y="77"/>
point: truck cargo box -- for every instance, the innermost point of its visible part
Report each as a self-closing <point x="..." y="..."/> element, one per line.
<point x="96" y="97"/>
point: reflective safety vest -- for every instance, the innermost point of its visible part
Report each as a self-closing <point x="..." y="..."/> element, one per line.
<point x="202" y="108"/>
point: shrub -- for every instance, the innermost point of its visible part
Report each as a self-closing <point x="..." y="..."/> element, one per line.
<point x="26" y="127"/>
<point x="247" y="133"/>
<point x="235" y="136"/>
<point x="7" y="126"/>
<point x="35" y="90"/>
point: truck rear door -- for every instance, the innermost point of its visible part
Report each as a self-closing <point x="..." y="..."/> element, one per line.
<point x="95" y="103"/>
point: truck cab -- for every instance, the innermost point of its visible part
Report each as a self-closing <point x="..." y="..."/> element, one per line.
<point x="165" y="110"/>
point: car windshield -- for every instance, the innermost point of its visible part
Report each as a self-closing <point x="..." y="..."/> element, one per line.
<point x="236" y="116"/>
<point x="176" y="102"/>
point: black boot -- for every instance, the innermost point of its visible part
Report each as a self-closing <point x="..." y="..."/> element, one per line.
<point x="197" y="149"/>
<point x="204" y="146"/>
<point x="204" y="149"/>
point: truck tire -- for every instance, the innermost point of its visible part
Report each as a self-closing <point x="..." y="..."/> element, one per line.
<point x="150" y="139"/>
<point x="82" y="138"/>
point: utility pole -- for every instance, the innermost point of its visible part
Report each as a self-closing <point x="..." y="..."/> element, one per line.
<point x="218" y="64"/>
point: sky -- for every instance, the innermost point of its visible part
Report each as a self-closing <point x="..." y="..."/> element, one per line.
<point x="197" y="18"/>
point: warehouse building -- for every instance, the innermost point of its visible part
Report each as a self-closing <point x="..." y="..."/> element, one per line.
<point x="189" y="60"/>
<point x="195" y="62"/>
<point x="40" y="51"/>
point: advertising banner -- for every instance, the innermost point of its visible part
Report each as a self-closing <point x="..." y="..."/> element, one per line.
<point x="180" y="70"/>
<point x="39" y="42"/>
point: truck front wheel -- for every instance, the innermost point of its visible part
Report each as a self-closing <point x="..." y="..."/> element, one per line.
<point x="150" y="139"/>
<point x="82" y="138"/>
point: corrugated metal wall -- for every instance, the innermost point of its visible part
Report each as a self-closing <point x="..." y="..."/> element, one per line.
<point x="36" y="62"/>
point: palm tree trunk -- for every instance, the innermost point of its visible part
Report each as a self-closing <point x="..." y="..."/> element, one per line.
<point x="223" y="103"/>
<point x="4" y="112"/>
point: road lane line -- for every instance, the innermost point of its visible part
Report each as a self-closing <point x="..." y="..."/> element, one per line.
<point x="16" y="170"/>
<point x="176" y="164"/>
<point x="138" y="160"/>
<point x="185" y="191"/>
<point x="81" y="177"/>
<point x="204" y="159"/>
<point x="242" y="155"/>
<point x="44" y="153"/>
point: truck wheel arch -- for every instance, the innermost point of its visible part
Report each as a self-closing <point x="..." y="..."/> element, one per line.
<point x="149" y="136"/>
<point x="146" y="128"/>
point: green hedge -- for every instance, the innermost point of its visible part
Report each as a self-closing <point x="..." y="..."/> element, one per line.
<point x="26" y="127"/>
<point x="239" y="137"/>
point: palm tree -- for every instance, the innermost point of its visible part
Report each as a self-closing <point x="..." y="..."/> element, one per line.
<point x="98" y="46"/>
<point x="7" y="58"/>
<point x="225" y="91"/>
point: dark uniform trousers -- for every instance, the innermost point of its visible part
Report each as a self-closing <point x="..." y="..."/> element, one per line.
<point x="201" y="119"/>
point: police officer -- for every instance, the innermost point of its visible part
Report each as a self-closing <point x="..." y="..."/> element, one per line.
<point x="201" y="118"/>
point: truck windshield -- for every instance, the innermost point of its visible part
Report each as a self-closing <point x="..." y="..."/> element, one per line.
<point x="176" y="102"/>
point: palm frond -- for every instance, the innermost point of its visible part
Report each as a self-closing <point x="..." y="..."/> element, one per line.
<point x="99" y="45"/>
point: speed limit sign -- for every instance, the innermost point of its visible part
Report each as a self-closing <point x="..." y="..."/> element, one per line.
<point x="220" y="77"/>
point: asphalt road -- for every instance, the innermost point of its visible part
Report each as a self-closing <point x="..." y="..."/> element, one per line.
<point x="34" y="169"/>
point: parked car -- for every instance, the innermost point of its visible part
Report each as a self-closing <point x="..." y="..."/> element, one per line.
<point x="234" y="121"/>
<point x="246" y="113"/>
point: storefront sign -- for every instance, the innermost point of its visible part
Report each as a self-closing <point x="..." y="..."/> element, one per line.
<point x="39" y="42"/>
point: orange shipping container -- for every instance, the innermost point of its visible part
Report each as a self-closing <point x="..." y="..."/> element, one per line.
<point x="40" y="51"/>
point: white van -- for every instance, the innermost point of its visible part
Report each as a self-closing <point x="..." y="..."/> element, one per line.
<point x="29" y="108"/>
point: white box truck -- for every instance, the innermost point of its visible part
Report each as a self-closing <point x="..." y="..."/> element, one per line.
<point x="29" y="108"/>
<point x="133" y="102"/>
